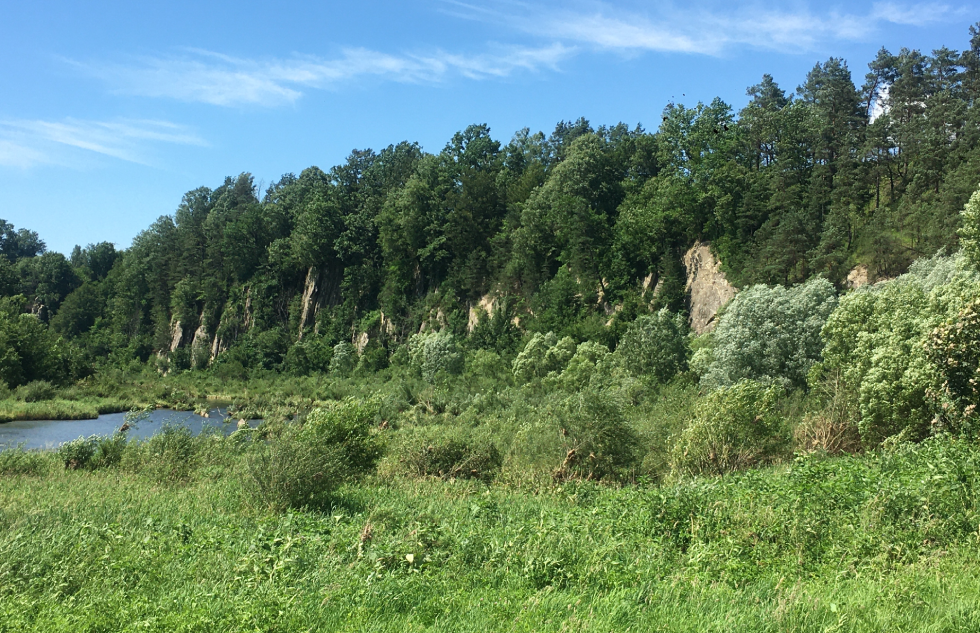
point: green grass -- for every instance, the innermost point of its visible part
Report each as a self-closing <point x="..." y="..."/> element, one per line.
<point x="61" y="409"/>
<point x="880" y="542"/>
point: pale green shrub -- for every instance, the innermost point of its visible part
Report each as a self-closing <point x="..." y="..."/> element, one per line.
<point x="877" y="338"/>
<point x="583" y="365"/>
<point x="954" y="349"/>
<point x="433" y="353"/>
<point x="343" y="360"/>
<point x="970" y="231"/>
<point x="78" y="452"/>
<point x="733" y="428"/>
<point x="542" y="355"/>
<point x="655" y="345"/>
<point x="770" y="334"/>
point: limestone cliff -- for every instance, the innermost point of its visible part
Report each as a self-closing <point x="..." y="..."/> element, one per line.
<point x="707" y="288"/>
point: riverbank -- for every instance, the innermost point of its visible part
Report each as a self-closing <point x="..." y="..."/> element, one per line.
<point x="61" y="409"/>
<point x="882" y="541"/>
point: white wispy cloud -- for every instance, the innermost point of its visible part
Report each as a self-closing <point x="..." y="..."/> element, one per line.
<point x="28" y="142"/>
<point x="208" y="77"/>
<point x="704" y="29"/>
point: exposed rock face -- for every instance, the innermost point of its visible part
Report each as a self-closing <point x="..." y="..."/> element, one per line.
<point x="707" y="287"/>
<point x="487" y="303"/>
<point x="857" y="277"/>
<point x="176" y="335"/>
<point x="361" y="342"/>
<point x="309" y="308"/>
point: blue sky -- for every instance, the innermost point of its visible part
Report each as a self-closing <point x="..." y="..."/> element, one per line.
<point x="110" y="111"/>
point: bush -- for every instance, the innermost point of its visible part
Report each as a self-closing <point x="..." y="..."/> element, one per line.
<point x="733" y="428"/>
<point x="954" y="349"/>
<point x="582" y="366"/>
<point x="453" y="457"/>
<point x="109" y="450"/>
<point x="303" y="465"/>
<point x="655" y="345"/>
<point x="596" y="440"/>
<point x="17" y="461"/>
<point x="170" y="456"/>
<point x="35" y="391"/>
<point x="770" y="334"/>
<point x="344" y="359"/>
<point x="291" y="471"/>
<point x="877" y="341"/>
<point x="433" y="353"/>
<point x="543" y="354"/>
<point x="77" y="453"/>
<point x="348" y="424"/>
<point x="970" y="232"/>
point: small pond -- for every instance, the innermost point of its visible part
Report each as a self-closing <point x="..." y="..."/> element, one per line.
<point x="52" y="433"/>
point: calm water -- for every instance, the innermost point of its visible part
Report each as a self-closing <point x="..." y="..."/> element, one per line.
<point x="52" y="433"/>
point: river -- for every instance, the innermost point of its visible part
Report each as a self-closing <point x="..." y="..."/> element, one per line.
<point x="53" y="433"/>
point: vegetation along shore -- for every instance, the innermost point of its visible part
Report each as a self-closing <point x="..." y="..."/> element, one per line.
<point x="721" y="376"/>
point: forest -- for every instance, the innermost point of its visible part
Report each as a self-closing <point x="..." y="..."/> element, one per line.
<point x="479" y="380"/>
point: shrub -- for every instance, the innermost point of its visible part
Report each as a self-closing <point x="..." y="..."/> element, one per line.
<point x="732" y="428"/>
<point x="18" y="461"/>
<point x="596" y="440"/>
<point x="655" y="345"/>
<point x="970" y="231"/>
<point x="582" y="366"/>
<point x="109" y="450"/>
<point x="954" y="349"/>
<point x="453" y="457"/>
<point x="542" y="355"/>
<point x="291" y="471"/>
<point x="344" y="359"/>
<point x="877" y="341"/>
<point x="167" y="457"/>
<point x="348" y="424"/>
<point x="770" y="334"/>
<point x="35" y="391"/>
<point x="77" y="453"/>
<point x="303" y="465"/>
<point x="433" y="353"/>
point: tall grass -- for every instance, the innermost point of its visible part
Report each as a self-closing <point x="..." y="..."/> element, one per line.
<point x="884" y="541"/>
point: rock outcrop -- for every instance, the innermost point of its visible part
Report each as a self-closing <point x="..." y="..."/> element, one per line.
<point x="857" y="277"/>
<point x="485" y="306"/>
<point x="707" y="288"/>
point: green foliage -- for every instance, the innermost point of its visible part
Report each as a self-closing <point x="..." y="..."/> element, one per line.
<point x="597" y="442"/>
<point x="877" y="341"/>
<point x="302" y="466"/>
<point x="434" y="353"/>
<point x="655" y="345"/>
<point x="543" y="354"/>
<point x="77" y="453"/>
<point x="770" y="334"/>
<point x="169" y="457"/>
<point x="733" y="428"/>
<point x="452" y="455"/>
<point x="581" y="368"/>
<point x="348" y="424"/>
<point x="29" y="352"/>
<point x="970" y="231"/>
<point x="35" y="391"/>
<point x="954" y="349"/>
<point x="19" y="461"/>
<point x="343" y="360"/>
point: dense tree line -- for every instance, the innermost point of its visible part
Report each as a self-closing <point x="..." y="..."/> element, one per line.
<point x="556" y="233"/>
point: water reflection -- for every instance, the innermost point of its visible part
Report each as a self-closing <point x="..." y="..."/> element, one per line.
<point x="52" y="433"/>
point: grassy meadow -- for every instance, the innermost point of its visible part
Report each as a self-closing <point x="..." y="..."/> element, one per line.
<point x="170" y="535"/>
